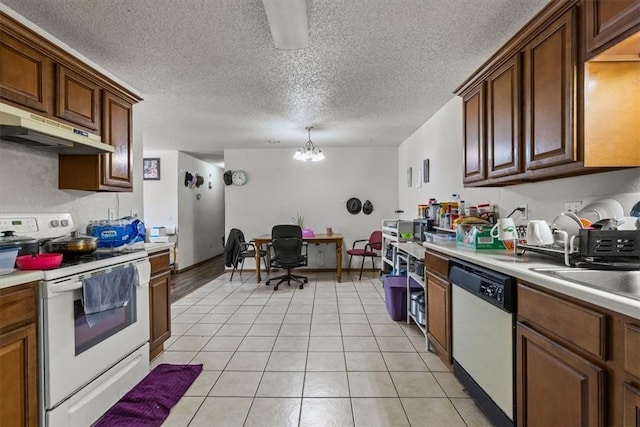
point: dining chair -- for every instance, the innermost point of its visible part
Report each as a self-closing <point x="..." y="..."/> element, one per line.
<point x="370" y="249"/>
<point x="237" y="250"/>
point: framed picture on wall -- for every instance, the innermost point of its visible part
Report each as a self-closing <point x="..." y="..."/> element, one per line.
<point x="151" y="169"/>
<point x="425" y="170"/>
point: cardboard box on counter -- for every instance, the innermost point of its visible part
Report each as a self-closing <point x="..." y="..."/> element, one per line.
<point x="477" y="237"/>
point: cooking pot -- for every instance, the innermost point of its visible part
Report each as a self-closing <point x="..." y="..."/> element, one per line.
<point x="27" y="245"/>
<point x="74" y="244"/>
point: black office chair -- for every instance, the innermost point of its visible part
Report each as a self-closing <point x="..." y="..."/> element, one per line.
<point x="237" y="249"/>
<point x="287" y="244"/>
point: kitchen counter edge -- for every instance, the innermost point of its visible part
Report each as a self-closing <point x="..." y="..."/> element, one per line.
<point x="520" y="268"/>
<point x="19" y="277"/>
<point x="157" y="247"/>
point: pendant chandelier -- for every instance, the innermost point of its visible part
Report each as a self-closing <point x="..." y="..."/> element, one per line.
<point x="309" y="151"/>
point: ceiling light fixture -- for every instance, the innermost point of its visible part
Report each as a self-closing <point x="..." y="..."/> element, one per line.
<point x="309" y="151"/>
<point x="288" y="23"/>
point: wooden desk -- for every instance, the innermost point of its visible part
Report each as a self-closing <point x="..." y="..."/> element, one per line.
<point x="318" y="238"/>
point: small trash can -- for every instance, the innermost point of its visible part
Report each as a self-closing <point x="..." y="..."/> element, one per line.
<point x="395" y="295"/>
<point x="421" y="315"/>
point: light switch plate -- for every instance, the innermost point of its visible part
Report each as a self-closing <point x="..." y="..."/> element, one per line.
<point x="572" y="206"/>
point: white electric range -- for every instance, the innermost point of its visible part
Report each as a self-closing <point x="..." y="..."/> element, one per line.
<point x="85" y="369"/>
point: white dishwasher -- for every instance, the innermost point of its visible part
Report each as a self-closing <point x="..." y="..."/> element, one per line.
<point x="483" y="317"/>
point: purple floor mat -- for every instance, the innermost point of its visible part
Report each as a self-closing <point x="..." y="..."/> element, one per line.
<point x="150" y="401"/>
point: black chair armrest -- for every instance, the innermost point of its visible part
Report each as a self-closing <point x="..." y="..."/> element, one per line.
<point x="358" y="241"/>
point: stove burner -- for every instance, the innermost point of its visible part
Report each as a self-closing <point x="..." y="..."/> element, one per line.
<point x="73" y="260"/>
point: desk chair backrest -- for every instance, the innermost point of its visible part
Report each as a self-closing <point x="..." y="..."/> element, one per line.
<point x="287" y="242"/>
<point x="286" y="230"/>
<point x="375" y="240"/>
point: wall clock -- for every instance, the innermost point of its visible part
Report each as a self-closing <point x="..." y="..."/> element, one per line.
<point x="239" y="177"/>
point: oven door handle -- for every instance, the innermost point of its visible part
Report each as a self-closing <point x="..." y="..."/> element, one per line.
<point x="67" y="287"/>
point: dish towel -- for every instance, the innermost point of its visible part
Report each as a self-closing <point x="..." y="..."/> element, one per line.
<point x="106" y="292"/>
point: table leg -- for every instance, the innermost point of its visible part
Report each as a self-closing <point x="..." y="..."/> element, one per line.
<point x="258" y="278"/>
<point x="339" y="260"/>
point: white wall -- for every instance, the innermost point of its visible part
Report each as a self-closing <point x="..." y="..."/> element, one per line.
<point x="279" y="187"/>
<point x="161" y="196"/>
<point x="440" y="140"/>
<point x="29" y="184"/>
<point x="200" y="221"/>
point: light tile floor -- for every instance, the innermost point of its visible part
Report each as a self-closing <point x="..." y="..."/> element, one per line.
<point x="325" y="355"/>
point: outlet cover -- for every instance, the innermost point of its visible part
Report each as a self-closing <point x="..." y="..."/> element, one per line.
<point x="572" y="206"/>
<point x="524" y="213"/>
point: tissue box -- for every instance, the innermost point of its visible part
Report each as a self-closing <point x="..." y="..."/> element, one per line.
<point x="477" y="237"/>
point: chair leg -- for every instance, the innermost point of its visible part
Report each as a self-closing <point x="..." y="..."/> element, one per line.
<point x="373" y="264"/>
<point x="349" y="265"/>
<point x="241" y="267"/>
<point x="232" y="271"/>
<point x="361" y="267"/>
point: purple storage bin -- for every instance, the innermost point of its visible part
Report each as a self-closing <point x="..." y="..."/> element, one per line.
<point x="395" y="295"/>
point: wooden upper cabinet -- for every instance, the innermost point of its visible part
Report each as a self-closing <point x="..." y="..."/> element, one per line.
<point x="103" y="172"/>
<point x="77" y="99"/>
<point x="608" y="22"/>
<point x="503" y="120"/>
<point x="631" y="406"/>
<point x="25" y="75"/>
<point x="117" y="121"/>
<point x="550" y="61"/>
<point x="474" y="134"/>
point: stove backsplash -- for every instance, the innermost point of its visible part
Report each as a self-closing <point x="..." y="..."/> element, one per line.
<point x="35" y="188"/>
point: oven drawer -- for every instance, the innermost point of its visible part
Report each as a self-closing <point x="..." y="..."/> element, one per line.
<point x="86" y="406"/>
<point x="574" y="324"/>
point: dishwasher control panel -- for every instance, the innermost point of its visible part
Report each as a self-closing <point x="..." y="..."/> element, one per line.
<point x="493" y="287"/>
<point x="492" y="291"/>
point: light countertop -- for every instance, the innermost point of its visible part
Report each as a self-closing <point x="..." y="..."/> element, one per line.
<point x="157" y="247"/>
<point x="19" y="277"/>
<point x="520" y="267"/>
<point x="414" y="249"/>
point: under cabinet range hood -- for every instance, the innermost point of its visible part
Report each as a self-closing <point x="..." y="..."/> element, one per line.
<point x="22" y="127"/>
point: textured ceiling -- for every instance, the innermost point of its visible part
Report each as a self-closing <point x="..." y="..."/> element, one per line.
<point x="374" y="72"/>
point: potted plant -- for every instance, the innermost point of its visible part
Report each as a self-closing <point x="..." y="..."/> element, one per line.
<point x="299" y="220"/>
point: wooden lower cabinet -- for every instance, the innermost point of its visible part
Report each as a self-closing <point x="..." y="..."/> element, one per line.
<point x="439" y="316"/>
<point x="18" y="356"/>
<point x="556" y="387"/>
<point x="159" y="303"/>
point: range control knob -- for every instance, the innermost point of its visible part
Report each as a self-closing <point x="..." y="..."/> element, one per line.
<point x="55" y="223"/>
<point x="65" y="222"/>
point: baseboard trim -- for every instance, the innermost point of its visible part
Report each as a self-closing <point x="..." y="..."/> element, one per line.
<point x="182" y="270"/>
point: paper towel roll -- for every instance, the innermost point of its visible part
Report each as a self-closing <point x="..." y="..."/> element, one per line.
<point x="171" y="229"/>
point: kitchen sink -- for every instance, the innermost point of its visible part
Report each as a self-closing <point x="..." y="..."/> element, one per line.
<point x="625" y="283"/>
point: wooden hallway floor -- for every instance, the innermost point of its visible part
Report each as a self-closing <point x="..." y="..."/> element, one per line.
<point x="185" y="282"/>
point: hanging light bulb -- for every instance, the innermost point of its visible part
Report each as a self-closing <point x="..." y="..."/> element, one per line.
<point x="309" y="152"/>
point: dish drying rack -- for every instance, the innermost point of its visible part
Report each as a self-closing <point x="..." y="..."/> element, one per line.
<point x="568" y="251"/>
<point x="604" y="249"/>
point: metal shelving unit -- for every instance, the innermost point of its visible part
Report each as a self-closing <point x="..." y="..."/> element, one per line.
<point x="392" y="230"/>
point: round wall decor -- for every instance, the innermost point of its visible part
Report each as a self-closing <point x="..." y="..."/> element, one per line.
<point x="354" y="205"/>
<point x="367" y="208"/>
<point x="227" y="177"/>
